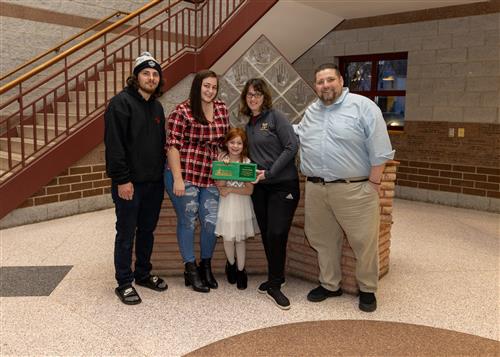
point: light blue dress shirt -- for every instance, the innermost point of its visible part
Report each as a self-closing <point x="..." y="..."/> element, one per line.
<point x="343" y="140"/>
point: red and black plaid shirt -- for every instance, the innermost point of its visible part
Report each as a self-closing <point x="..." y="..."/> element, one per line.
<point x="198" y="144"/>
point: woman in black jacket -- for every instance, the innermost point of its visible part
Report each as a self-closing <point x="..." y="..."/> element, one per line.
<point x="272" y="145"/>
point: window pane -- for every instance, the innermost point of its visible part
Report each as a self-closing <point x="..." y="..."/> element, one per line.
<point x="393" y="109"/>
<point x="392" y="75"/>
<point x="358" y="76"/>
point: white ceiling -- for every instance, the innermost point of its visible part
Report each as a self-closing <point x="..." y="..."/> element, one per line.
<point x="350" y="9"/>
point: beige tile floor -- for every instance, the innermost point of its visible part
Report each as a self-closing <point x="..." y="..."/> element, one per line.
<point x="444" y="272"/>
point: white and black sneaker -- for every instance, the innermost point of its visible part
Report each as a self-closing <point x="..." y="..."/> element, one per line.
<point x="278" y="298"/>
<point x="262" y="289"/>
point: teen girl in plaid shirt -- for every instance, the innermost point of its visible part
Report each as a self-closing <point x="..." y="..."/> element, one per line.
<point x="196" y="130"/>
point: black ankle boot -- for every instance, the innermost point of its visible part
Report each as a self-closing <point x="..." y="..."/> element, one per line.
<point x="206" y="274"/>
<point x="241" y="279"/>
<point x="192" y="277"/>
<point x="231" y="272"/>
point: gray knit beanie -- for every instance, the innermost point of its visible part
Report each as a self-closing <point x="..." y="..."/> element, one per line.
<point x="145" y="60"/>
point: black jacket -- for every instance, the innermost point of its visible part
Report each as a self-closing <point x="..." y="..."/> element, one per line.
<point x="134" y="136"/>
<point x="272" y="145"/>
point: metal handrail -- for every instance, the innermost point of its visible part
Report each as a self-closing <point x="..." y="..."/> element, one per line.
<point x="75" y="48"/>
<point x="58" y="47"/>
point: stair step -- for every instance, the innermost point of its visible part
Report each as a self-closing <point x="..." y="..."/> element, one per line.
<point x="61" y="108"/>
<point x="119" y="74"/>
<point x="91" y="96"/>
<point x="4" y="160"/>
<point x="111" y="79"/>
<point x="40" y="133"/>
<point x="61" y="119"/>
<point x="15" y="145"/>
<point x="110" y="87"/>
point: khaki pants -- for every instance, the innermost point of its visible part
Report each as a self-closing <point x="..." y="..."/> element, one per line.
<point x="335" y="208"/>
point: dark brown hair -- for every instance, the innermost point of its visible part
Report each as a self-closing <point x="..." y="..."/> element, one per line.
<point x="324" y="66"/>
<point x="133" y="82"/>
<point x="233" y="133"/>
<point x="195" y="94"/>
<point x="259" y="85"/>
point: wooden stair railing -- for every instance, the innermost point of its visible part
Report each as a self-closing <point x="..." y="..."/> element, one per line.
<point x="54" y="127"/>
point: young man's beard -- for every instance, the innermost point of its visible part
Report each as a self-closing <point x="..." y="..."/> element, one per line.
<point x="148" y="89"/>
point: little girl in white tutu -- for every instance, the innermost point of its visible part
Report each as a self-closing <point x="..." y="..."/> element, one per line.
<point x="236" y="218"/>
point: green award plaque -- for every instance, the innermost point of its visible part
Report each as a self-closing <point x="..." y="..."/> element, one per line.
<point x="234" y="171"/>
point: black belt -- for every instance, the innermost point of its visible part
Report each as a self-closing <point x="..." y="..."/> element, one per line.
<point x="322" y="180"/>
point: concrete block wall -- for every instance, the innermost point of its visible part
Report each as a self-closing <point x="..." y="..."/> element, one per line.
<point x="453" y="82"/>
<point x="25" y="34"/>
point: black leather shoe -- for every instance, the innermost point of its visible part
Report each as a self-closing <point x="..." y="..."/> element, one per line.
<point x="231" y="272"/>
<point x="206" y="274"/>
<point x="367" y="302"/>
<point x="320" y="293"/>
<point x="192" y="278"/>
<point x="241" y="279"/>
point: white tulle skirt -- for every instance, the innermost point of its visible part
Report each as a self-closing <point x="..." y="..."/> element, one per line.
<point x="236" y="219"/>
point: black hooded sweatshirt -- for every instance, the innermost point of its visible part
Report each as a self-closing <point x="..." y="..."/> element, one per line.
<point x="134" y="136"/>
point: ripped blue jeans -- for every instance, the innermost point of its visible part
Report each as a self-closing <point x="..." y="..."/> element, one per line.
<point x="197" y="202"/>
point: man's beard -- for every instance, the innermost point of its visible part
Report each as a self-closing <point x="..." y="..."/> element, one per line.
<point x="328" y="96"/>
<point x="148" y="89"/>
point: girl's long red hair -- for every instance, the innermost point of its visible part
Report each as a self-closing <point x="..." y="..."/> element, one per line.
<point x="233" y="133"/>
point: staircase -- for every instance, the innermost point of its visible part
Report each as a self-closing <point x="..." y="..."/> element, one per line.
<point x="43" y="131"/>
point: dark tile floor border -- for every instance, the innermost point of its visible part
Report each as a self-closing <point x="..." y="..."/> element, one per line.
<point x="351" y="338"/>
<point x="31" y="280"/>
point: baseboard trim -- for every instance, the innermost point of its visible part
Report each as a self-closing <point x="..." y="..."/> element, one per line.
<point x="461" y="200"/>
<point x="54" y="210"/>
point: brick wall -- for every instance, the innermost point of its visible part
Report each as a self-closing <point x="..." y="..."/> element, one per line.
<point x="433" y="161"/>
<point x="86" y="178"/>
<point x="80" y="188"/>
<point x="71" y="184"/>
<point x="470" y="180"/>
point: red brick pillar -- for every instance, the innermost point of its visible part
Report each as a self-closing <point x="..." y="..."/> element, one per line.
<point x="301" y="258"/>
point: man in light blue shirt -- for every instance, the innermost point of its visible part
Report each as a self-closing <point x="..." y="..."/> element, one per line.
<point x="344" y="146"/>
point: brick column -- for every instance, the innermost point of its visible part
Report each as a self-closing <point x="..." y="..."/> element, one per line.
<point x="167" y="259"/>
<point x="301" y="258"/>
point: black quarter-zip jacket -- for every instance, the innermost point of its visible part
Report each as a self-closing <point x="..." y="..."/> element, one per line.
<point x="134" y="136"/>
<point x="272" y="145"/>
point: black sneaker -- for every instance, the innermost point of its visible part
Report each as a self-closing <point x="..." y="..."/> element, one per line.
<point x="320" y="293"/>
<point x="278" y="298"/>
<point x="367" y="302"/>
<point x="262" y="289"/>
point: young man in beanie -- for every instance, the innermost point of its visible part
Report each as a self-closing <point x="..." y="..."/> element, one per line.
<point x="134" y="137"/>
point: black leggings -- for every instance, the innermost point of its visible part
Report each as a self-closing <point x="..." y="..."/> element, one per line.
<point x="274" y="206"/>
